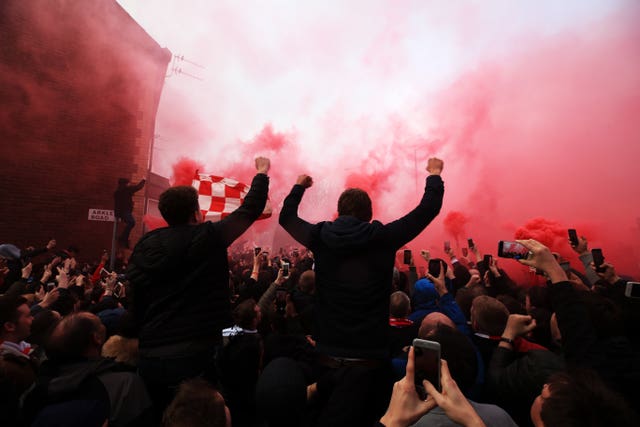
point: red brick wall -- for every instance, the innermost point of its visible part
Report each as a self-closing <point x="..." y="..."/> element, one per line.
<point x="80" y="84"/>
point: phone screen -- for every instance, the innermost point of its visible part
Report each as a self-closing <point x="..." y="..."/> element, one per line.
<point x="633" y="290"/>
<point x="407" y="257"/>
<point x="257" y="250"/>
<point x="470" y="243"/>
<point x="434" y="267"/>
<point x="427" y="364"/>
<point x="465" y="252"/>
<point x="487" y="261"/>
<point x="285" y="269"/>
<point x="512" y="250"/>
<point x="598" y="259"/>
<point x="573" y="237"/>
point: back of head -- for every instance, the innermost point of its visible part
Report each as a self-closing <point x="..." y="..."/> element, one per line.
<point x="488" y="315"/>
<point x="196" y="404"/>
<point x="580" y="398"/>
<point x="459" y="353"/>
<point x="122" y="182"/>
<point x="465" y="297"/>
<point x="399" y="305"/>
<point x="355" y="202"/>
<point x="75" y="336"/>
<point x="245" y="313"/>
<point x="307" y="281"/>
<point x="178" y="205"/>
<point x="431" y="322"/>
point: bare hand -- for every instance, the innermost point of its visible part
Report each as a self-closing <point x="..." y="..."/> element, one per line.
<point x="63" y="278"/>
<point x="581" y="247"/>
<point x="26" y="271"/>
<point x="519" y="325"/>
<point x="541" y="258"/>
<point x="438" y="282"/>
<point x="305" y="181"/>
<point x="50" y="298"/>
<point x="607" y="274"/>
<point x="474" y="280"/>
<point x="406" y="407"/>
<point x="425" y="254"/>
<point x="51" y="244"/>
<point x="435" y="166"/>
<point x="263" y="165"/>
<point x="452" y="401"/>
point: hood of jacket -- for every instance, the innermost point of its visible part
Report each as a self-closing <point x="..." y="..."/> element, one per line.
<point x="347" y="233"/>
<point x="425" y="296"/>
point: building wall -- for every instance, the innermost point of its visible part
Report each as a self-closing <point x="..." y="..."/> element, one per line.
<point x="80" y="83"/>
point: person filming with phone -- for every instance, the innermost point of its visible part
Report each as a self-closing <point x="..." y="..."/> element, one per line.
<point x="354" y="259"/>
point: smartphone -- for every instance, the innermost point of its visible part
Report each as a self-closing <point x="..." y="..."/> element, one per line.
<point x="447" y="246"/>
<point x="566" y="266"/>
<point x="257" y="250"/>
<point x="465" y="252"/>
<point x="632" y="290"/>
<point x="427" y="365"/>
<point x="50" y="286"/>
<point x="470" y="243"/>
<point x="104" y="274"/>
<point x="434" y="267"/>
<point x="285" y="269"/>
<point x="407" y="256"/>
<point x="265" y="256"/>
<point x="598" y="259"/>
<point x="117" y="290"/>
<point x="513" y="250"/>
<point x="487" y="261"/>
<point x="573" y="237"/>
<point x="281" y="300"/>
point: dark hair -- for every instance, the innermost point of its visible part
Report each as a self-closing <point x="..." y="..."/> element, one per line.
<point x="355" y="202"/>
<point x="399" y="305"/>
<point x="196" y="404"/>
<point x="539" y="297"/>
<point x="178" y="204"/>
<point x="459" y="353"/>
<point x="490" y="315"/>
<point x="581" y="399"/>
<point x="245" y="313"/>
<point x="513" y="305"/>
<point x="42" y="326"/>
<point x="9" y="308"/>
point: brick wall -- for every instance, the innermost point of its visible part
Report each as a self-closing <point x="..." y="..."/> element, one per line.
<point x="80" y="84"/>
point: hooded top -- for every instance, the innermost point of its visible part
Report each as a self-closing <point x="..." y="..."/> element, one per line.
<point x="354" y="270"/>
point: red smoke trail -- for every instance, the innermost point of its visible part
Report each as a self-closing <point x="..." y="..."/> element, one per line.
<point x="548" y="130"/>
<point x="184" y="170"/>
<point x="454" y="223"/>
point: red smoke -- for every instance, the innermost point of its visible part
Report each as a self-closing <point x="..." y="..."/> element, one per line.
<point x="535" y="141"/>
<point x="184" y="170"/>
<point x="454" y="223"/>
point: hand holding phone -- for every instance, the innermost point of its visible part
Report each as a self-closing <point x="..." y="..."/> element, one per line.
<point x="426" y="365"/>
<point x="573" y="237"/>
<point x="598" y="260"/>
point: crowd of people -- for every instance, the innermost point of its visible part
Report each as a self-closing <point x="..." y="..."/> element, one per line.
<point x="191" y="330"/>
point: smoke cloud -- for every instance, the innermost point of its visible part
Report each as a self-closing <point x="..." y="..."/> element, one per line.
<point x="535" y="118"/>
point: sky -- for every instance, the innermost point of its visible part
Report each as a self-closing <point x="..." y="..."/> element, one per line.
<point x="533" y="106"/>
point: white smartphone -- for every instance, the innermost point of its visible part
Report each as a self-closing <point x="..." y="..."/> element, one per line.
<point x="427" y="364"/>
<point x="632" y="290"/>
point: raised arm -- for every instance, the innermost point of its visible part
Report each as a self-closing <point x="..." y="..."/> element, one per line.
<point x="405" y="229"/>
<point x="254" y="202"/>
<point x="298" y="228"/>
<point x="138" y="186"/>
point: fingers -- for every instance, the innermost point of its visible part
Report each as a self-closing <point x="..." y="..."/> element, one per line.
<point x="432" y="392"/>
<point x="445" y="375"/>
<point x="410" y="371"/>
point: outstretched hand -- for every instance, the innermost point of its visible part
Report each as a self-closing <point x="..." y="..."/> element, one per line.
<point x="263" y="165"/>
<point x="305" y="180"/>
<point x="452" y="401"/>
<point x="406" y="407"/>
<point x="435" y="166"/>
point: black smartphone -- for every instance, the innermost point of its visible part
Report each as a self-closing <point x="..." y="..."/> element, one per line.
<point x="487" y="261"/>
<point x="257" y="250"/>
<point x="632" y="290"/>
<point x="447" y="245"/>
<point x="427" y="365"/>
<point x="407" y="256"/>
<point x="598" y="259"/>
<point x="470" y="243"/>
<point x="285" y="269"/>
<point x="566" y="266"/>
<point x="513" y="250"/>
<point x="281" y="300"/>
<point x="434" y="267"/>
<point x="465" y="252"/>
<point x="573" y="237"/>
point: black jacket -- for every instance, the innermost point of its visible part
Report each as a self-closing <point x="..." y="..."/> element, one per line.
<point x="123" y="198"/>
<point x="180" y="275"/>
<point x="354" y="268"/>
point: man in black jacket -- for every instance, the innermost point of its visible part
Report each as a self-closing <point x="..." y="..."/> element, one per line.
<point x="180" y="280"/>
<point x="354" y="268"/>
<point x="123" y="206"/>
